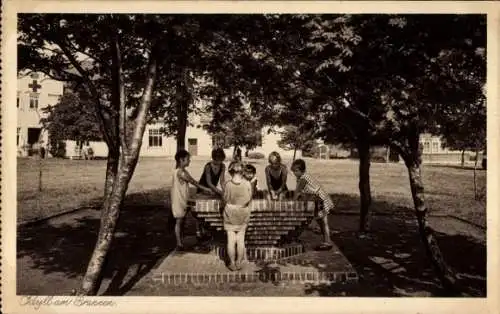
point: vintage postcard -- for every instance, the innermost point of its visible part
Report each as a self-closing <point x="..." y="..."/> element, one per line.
<point x="250" y="156"/>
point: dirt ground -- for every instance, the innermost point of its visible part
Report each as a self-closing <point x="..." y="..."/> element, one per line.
<point x="390" y="262"/>
<point x="52" y="256"/>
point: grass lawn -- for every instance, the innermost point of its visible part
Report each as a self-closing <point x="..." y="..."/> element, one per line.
<point x="69" y="184"/>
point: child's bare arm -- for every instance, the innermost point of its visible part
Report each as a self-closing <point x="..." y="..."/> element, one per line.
<point x="268" y="179"/>
<point x="285" y="176"/>
<point x="298" y="190"/>
<point x="250" y="194"/>
<point x="184" y="175"/>
<point x="254" y="187"/>
<point x="222" y="179"/>
<point x="208" y="177"/>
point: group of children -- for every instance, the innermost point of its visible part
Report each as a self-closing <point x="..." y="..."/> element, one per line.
<point x="237" y="194"/>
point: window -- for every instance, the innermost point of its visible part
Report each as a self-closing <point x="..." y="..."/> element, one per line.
<point x="33" y="101"/>
<point x="427" y="146"/>
<point x="18" y="132"/>
<point x="155" y="138"/>
<point x="435" y="147"/>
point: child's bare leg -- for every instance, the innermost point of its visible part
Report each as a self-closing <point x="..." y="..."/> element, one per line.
<point x="325" y="229"/>
<point x="179" y="222"/>
<point x="240" y="244"/>
<point x="281" y="196"/>
<point x="231" y="246"/>
<point x="198" y="228"/>
<point x="201" y="232"/>
<point x="269" y="196"/>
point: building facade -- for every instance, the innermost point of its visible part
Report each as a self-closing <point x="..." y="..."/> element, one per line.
<point x="431" y="146"/>
<point x="36" y="91"/>
<point x="434" y="152"/>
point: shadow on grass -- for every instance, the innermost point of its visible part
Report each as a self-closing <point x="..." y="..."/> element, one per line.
<point x="390" y="262"/>
<point x="143" y="237"/>
<point x="350" y="203"/>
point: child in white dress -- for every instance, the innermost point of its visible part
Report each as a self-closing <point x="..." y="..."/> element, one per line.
<point x="179" y="193"/>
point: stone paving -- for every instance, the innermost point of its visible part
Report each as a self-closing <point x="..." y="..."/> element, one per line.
<point x="318" y="267"/>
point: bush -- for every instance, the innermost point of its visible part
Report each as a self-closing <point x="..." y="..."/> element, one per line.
<point x="255" y="155"/>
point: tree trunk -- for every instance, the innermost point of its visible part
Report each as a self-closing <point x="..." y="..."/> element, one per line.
<point x="182" y="118"/>
<point x="476" y="196"/>
<point x="463" y="158"/>
<point x="40" y="162"/>
<point x="413" y="160"/>
<point x="128" y="157"/>
<point x="40" y="166"/>
<point x="183" y="102"/>
<point x="40" y="173"/>
<point x="364" y="185"/>
<point x="111" y="170"/>
<point x="109" y="219"/>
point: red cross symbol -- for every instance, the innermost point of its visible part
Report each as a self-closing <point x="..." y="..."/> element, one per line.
<point x="35" y="86"/>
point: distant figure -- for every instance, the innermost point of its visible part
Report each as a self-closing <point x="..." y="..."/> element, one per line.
<point x="88" y="153"/>
<point x="236" y="214"/>
<point x="237" y="155"/>
<point x="179" y="193"/>
<point x="307" y="184"/>
<point x="42" y="152"/>
<point x="276" y="176"/>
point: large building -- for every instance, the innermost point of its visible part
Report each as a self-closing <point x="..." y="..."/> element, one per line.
<point x="36" y="92"/>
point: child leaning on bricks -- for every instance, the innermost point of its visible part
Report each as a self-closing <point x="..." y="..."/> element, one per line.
<point x="309" y="185"/>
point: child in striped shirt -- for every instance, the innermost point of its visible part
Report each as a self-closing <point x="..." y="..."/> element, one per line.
<point x="308" y="185"/>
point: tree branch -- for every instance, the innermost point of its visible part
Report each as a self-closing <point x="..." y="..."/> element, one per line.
<point x="93" y="92"/>
<point x="145" y="102"/>
<point x="119" y="89"/>
<point x="99" y="60"/>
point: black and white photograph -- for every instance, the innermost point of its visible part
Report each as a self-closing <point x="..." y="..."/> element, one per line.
<point x="314" y="155"/>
